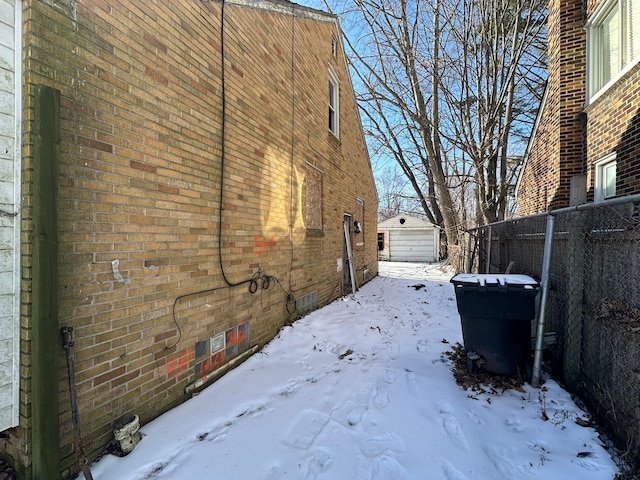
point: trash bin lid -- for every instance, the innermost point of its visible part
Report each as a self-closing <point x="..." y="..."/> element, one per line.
<point x="494" y="279"/>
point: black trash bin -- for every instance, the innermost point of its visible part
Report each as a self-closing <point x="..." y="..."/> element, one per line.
<point x="496" y="312"/>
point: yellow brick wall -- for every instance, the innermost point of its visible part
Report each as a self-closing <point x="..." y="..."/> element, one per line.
<point x="140" y="182"/>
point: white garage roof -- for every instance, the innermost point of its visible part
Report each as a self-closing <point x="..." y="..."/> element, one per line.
<point x="405" y="222"/>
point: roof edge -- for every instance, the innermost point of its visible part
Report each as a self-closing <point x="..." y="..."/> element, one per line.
<point x="534" y="132"/>
<point x="286" y="7"/>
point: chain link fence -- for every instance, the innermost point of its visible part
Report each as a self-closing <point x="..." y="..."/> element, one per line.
<point x="593" y="311"/>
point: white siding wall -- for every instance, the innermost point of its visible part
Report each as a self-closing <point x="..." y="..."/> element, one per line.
<point x="10" y="115"/>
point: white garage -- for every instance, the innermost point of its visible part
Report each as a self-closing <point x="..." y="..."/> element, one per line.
<point x="405" y="238"/>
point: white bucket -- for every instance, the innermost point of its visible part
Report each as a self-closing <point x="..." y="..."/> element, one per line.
<point x="126" y="432"/>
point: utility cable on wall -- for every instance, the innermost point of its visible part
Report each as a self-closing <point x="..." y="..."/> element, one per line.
<point x="293" y="131"/>
<point x="259" y="279"/>
<point x="223" y="123"/>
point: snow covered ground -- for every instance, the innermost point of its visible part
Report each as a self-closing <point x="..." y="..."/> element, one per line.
<point x="362" y="389"/>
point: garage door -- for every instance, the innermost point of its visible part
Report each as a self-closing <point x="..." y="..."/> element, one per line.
<point x="10" y="15"/>
<point x="411" y="246"/>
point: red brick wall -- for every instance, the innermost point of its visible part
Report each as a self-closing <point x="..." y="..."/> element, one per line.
<point x="141" y="177"/>
<point x="557" y="151"/>
<point x="571" y="138"/>
<point x="540" y="176"/>
<point x="613" y="126"/>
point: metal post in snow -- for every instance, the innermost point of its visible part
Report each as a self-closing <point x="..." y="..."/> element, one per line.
<point x="469" y="257"/>
<point x="488" y="266"/>
<point x="546" y="267"/>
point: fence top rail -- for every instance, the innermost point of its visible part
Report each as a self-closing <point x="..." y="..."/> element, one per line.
<point x="510" y="220"/>
<point x="594" y="205"/>
<point x="575" y="208"/>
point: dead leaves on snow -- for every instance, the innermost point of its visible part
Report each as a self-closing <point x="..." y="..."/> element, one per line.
<point x="480" y="382"/>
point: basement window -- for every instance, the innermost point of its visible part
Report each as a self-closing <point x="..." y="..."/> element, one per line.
<point x="605" y="186"/>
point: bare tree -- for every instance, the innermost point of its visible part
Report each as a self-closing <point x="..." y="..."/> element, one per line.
<point x="396" y="195"/>
<point x="446" y="87"/>
<point x="497" y="48"/>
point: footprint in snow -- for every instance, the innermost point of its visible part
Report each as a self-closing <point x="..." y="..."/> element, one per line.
<point x="365" y="391"/>
<point x="253" y="409"/>
<point x="394" y="352"/>
<point x="335" y="368"/>
<point x="306" y="367"/>
<point x="451" y="472"/>
<point x="502" y="459"/>
<point x="374" y="446"/>
<point x="588" y="460"/>
<point x="384" y="467"/>
<point x="473" y="416"/>
<point x="274" y="473"/>
<point x="154" y="470"/>
<point x="216" y="435"/>
<point x="423" y="346"/>
<point x="381" y="398"/>
<point x="348" y="413"/>
<point x="312" y="378"/>
<point x="390" y="376"/>
<point x="291" y="387"/>
<point x="317" y="461"/>
<point x="388" y="468"/>
<point x="305" y="428"/>
<point x="412" y="384"/>
<point x="354" y="416"/>
<point x="513" y="425"/>
<point x="364" y="394"/>
<point x="452" y="427"/>
<point x="538" y="446"/>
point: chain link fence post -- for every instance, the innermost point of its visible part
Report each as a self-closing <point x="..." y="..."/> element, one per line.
<point x="592" y="314"/>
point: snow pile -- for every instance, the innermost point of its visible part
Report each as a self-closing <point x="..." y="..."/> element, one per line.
<point x="363" y="389"/>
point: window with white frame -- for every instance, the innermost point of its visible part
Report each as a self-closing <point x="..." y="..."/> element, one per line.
<point x="605" y="186"/>
<point x="613" y="36"/>
<point x="359" y="231"/>
<point x="334" y="110"/>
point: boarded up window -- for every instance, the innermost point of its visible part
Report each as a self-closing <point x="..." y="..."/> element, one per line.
<point x="313" y="210"/>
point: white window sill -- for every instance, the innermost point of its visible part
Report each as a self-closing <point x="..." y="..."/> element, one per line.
<point x="613" y="81"/>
